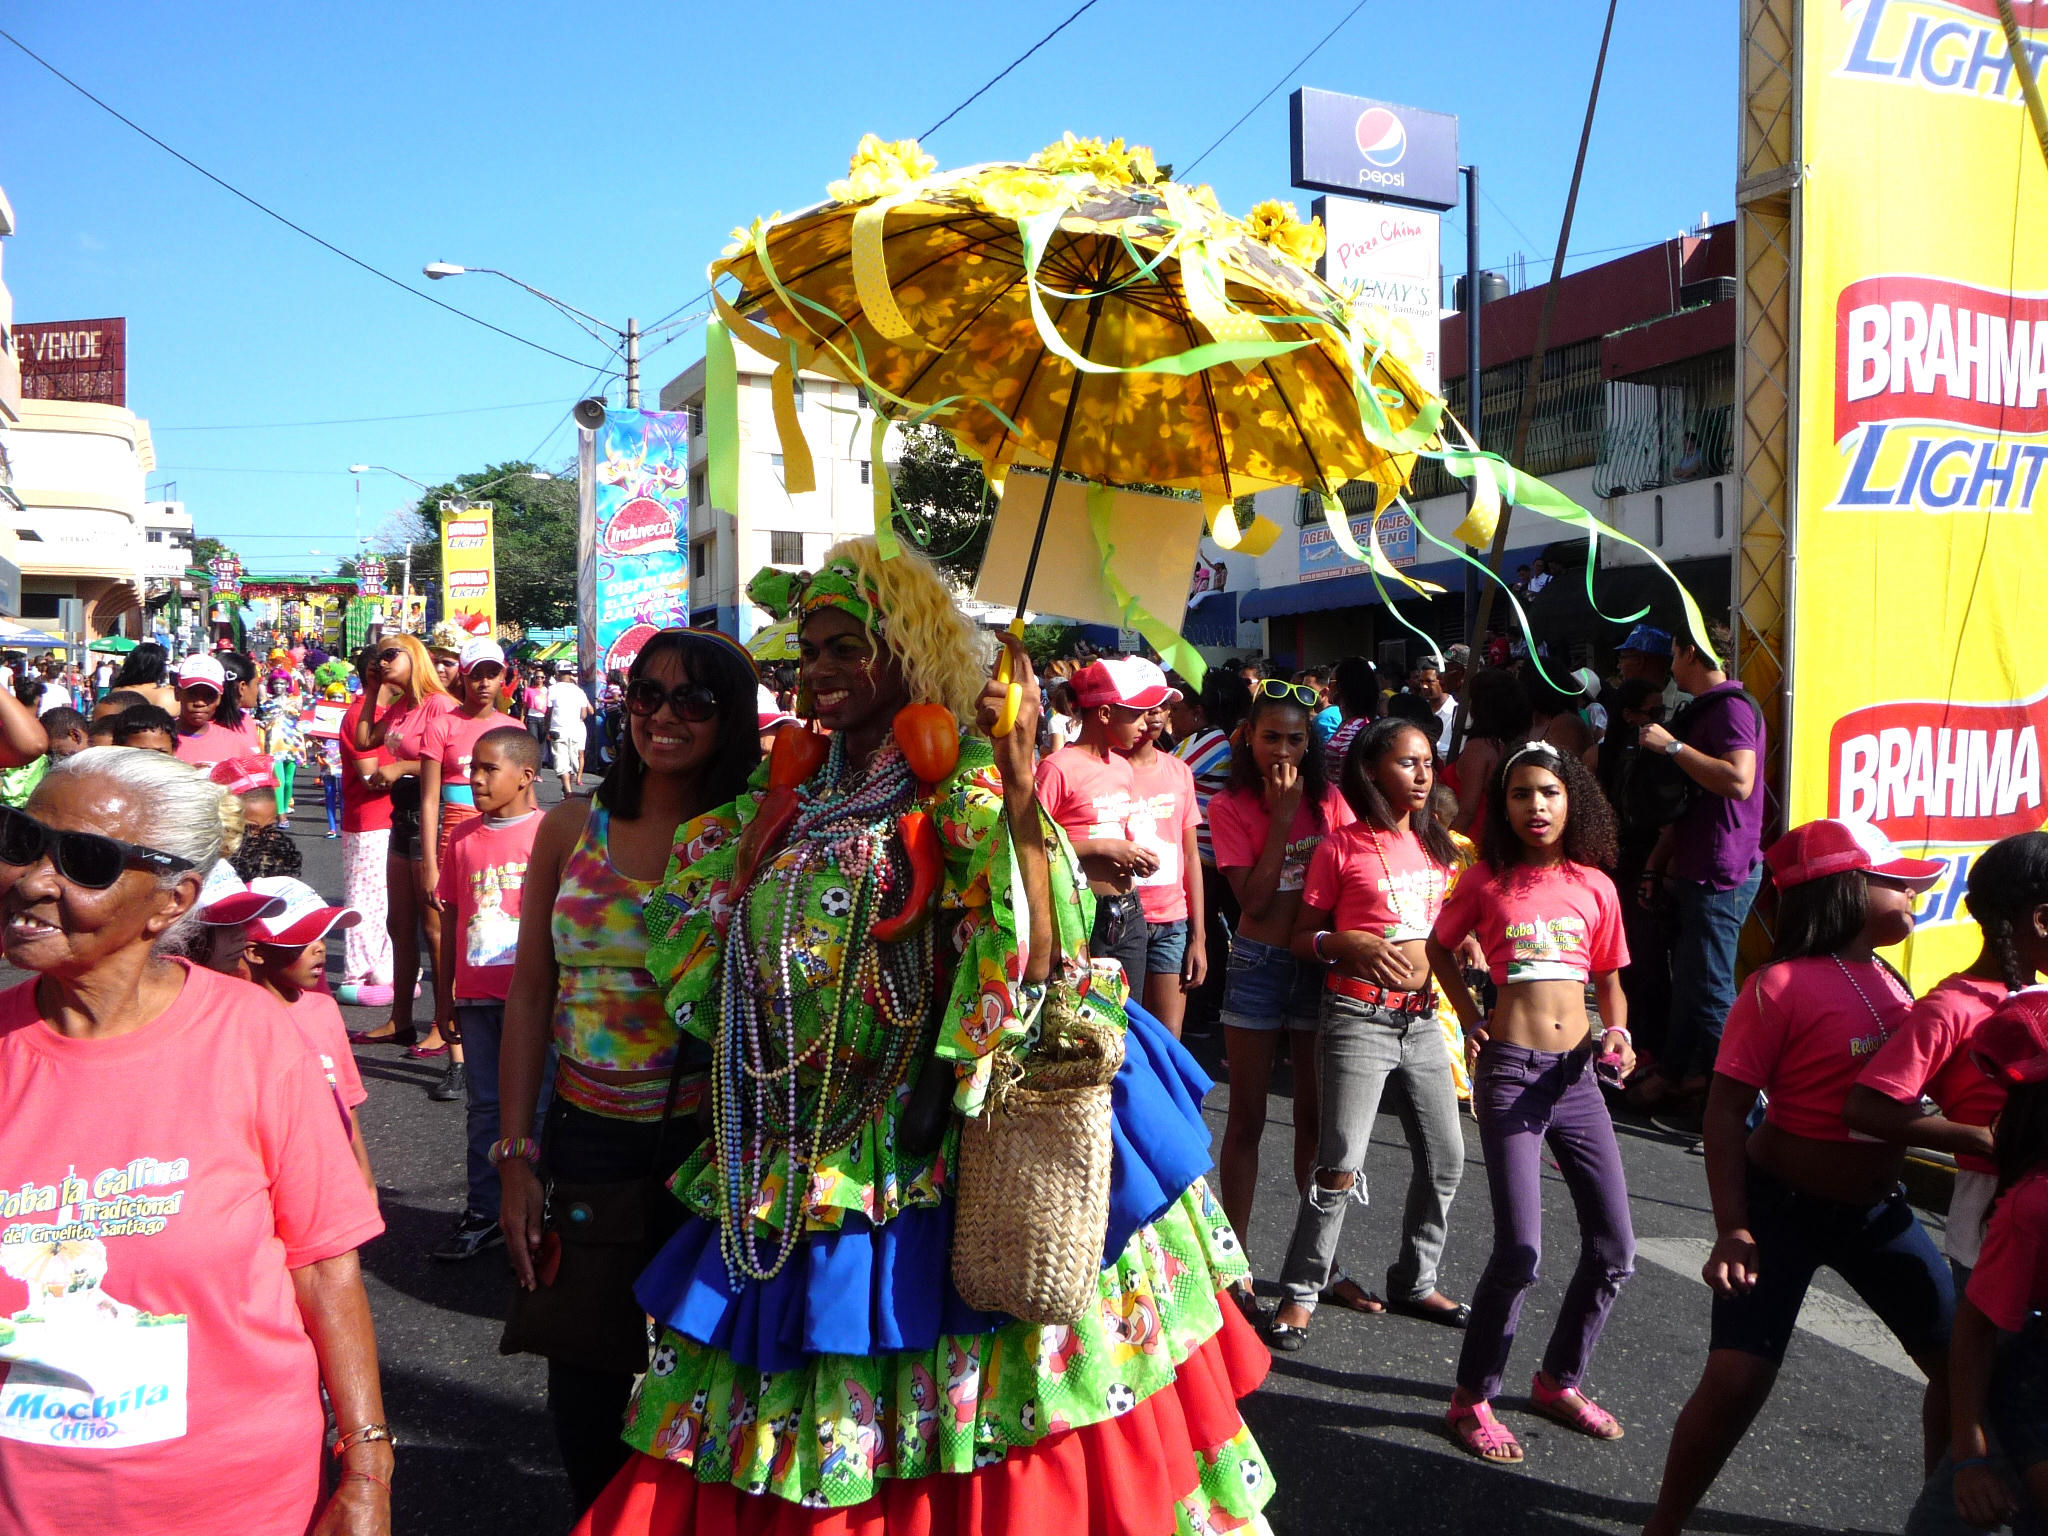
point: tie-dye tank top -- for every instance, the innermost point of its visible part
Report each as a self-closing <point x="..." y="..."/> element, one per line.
<point x="608" y="1011"/>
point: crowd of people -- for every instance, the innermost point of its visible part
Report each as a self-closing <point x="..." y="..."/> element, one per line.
<point x="738" y="1036"/>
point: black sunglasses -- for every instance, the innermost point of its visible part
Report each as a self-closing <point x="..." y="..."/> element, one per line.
<point x="85" y="859"/>
<point x="390" y="653"/>
<point x="691" y="701"/>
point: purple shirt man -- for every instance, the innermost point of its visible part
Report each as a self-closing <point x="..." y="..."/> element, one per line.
<point x="1718" y="841"/>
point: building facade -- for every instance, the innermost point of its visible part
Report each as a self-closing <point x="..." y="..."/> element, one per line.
<point x="770" y="526"/>
<point x="78" y="474"/>
<point x="167" y="539"/>
<point x="1634" y="420"/>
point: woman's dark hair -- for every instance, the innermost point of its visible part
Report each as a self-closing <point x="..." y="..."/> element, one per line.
<point x="1356" y="686"/>
<point x="28" y="688"/>
<point x="1818" y="917"/>
<point x="1244" y="767"/>
<point x="712" y="663"/>
<point x="2008" y="881"/>
<point x="140" y="720"/>
<point x="1549" y="699"/>
<point x="1226" y="699"/>
<point x="239" y="669"/>
<point x="1414" y="708"/>
<point x="2020" y="1143"/>
<point x="1368" y="749"/>
<point x="144" y="667"/>
<point x="266" y="852"/>
<point x="1589" y="836"/>
<point x="1499" y="708"/>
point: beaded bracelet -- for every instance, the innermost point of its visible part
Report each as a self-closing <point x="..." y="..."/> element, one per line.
<point x="522" y="1147"/>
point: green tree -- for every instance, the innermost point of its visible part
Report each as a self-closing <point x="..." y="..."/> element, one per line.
<point x="534" y="533"/>
<point x="944" y="506"/>
<point x="208" y="549"/>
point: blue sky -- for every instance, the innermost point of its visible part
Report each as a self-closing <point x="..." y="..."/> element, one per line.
<point x="603" y="153"/>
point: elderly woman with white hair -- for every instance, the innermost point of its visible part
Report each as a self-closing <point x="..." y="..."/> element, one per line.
<point x="178" y="1276"/>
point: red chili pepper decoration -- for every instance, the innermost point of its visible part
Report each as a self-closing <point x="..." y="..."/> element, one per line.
<point x="794" y="758"/>
<point x="930" y="739"/>
<point x="927" y="865"/>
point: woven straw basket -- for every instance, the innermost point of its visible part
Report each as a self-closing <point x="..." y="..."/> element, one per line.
<point x="1033" y="1191"/>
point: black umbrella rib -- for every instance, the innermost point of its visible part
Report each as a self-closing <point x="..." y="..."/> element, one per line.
<point x="959" y="223"/>
<point x="1186" y="322"/>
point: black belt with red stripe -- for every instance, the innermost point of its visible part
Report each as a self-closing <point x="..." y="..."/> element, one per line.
<point x="1381" y="997"/>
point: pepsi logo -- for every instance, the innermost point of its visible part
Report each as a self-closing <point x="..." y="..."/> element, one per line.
<point x="1381" y="137"/>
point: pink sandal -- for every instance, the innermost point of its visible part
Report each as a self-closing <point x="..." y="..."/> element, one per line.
<point x="1474" y="1427"/>
<point x="1574" y="1410"/>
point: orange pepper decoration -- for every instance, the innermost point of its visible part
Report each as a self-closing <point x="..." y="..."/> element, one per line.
<point x="796" y="755"/>
<point x="930" y="739"/>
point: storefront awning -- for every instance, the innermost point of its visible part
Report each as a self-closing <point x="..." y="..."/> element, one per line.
<point x="1357" y="590"/>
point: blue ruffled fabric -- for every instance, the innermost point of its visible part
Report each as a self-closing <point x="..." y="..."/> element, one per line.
<point x="1159" y="1137"/>
<point x="1160" y="1145"/>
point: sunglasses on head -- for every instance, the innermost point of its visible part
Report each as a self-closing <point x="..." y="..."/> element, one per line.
<point x="1298" y="693"/>
<point x="85" y="859"/>
<point x="689" y="701"/>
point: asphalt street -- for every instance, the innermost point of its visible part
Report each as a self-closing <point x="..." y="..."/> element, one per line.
<point x="1352" y="1423"/>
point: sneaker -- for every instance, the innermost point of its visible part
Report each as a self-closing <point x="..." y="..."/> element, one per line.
<point x="454" y="1085"/>
<point x="472" y="1233"/>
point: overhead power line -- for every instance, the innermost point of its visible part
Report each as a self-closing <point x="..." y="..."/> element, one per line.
<point x="351" y="421"/>
<point x="1181" y="173"/>
<point x="265" y="208"/>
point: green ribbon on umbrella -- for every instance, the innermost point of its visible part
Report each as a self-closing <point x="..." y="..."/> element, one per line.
<point x="1177" y="652"/>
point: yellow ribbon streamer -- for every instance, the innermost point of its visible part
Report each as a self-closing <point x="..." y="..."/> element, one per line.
<point x="885" y="489"/>
<point x="799" y="475"/>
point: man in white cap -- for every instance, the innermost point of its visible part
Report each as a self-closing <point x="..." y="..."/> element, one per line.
<point x="1088" y="788"/>
<point x="568" y="709"/>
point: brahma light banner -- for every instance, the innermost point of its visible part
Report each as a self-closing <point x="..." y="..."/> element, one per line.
<point x="1919" y="692"/>
<point x="469" y="581"/>
<point x="632" y="580"/>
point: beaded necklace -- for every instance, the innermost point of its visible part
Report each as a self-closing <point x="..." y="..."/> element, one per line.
<point x="1432" y="897"/>
<point x="847" y="824"/>
<point x="1884" y="1035"/>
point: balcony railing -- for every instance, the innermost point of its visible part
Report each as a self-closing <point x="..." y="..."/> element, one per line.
<point x="1668" y="424"/>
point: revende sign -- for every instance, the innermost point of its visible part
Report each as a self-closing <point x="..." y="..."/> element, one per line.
<point x="1928" y="772"/>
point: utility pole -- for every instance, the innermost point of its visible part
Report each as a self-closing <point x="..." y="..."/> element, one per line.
<point x="632" y="364"/>
<point x="1474" y="395"/>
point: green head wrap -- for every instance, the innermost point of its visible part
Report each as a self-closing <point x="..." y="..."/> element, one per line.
<point x="799" y="594"/>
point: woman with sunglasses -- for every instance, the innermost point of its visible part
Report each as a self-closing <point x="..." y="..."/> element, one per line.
<point x="406" y="697"/>
<point x="855" y="983"/>
<point x="626" y="1097"/>
<point x="176" y="1319"/>
<point x="445" y="804"/>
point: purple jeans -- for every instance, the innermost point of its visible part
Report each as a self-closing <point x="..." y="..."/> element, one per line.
<point x="1525" y="1098"/>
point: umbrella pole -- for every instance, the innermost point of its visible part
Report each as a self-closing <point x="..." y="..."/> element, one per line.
<point x="1059" y="453"/>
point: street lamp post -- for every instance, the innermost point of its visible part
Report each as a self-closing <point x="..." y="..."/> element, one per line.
<point x="627" y="345"/>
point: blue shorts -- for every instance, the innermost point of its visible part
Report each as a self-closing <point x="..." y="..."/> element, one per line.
<point x="1166" y="945"/>
<point x="1265" y="987"/>
<point x="1881" y="1250"/>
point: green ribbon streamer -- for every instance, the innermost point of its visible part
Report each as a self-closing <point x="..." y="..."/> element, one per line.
<point x="722" y="418"/>
<point x="1176" y="651"/>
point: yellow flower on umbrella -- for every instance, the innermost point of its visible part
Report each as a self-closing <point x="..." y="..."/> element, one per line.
<point x="1110" y="162"/>
<point x="1275" y="223"/>
<point x="1014" y="192"/>
<point x="880" y="168"/>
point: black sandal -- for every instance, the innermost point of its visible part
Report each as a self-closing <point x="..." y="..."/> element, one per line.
<point x="1444" y="1317"/>
<point x="1285" y="1337"/>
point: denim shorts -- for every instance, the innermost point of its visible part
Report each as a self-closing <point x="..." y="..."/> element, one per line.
<point x="1166" y="945"/>
<point x="1265" y="987"/>
<point x="1881" y="1250"/>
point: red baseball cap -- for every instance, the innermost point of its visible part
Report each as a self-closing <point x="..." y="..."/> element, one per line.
<point x="224" y="901"/>
<point x="239" y="775"/>
<point x="1130" y="681"/>
<point x="303" y="918"/>
<point x="1823" y="848"/>
<point x="2011" y="1047"/>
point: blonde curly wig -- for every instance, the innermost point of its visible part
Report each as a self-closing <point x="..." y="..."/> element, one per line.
<point x="944" y="657"/>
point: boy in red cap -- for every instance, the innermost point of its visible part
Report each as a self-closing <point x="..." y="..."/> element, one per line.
<point x="1089" y="789"/>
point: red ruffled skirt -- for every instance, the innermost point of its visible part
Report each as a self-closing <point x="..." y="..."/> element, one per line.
<point x="1125" y="1476"/>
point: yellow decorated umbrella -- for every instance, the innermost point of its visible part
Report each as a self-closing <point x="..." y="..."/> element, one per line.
<point x="1082" y="312"/>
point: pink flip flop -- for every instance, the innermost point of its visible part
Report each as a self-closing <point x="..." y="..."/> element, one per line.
<point x="428" y="1052"/>
<point x="1574" y="1410"/>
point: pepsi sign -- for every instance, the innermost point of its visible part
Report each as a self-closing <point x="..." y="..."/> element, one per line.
<point x="1361" y="148"/>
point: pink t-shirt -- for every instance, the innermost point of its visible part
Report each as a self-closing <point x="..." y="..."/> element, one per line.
<point x="215" y="743"/>
<point x="1374" y="881"/>
<point x="1930" y="1053"/>
<point x="161" y="1188"/>
<point x="481" y="880"/>
<point x="1239" y="823"/>
<point x="405" y="731"/>
<point x="1802" y="1030"/>
<point x="1088" y="796"/>
<point x="1560" y="923"/>
<point x="2011" y="1277"/>
<point x="450" y="739"/>
<point x="1163" y="811"/>
<point x="319" y="1019"/>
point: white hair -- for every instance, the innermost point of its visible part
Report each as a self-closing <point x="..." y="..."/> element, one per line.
<point x="183" y="812"/>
